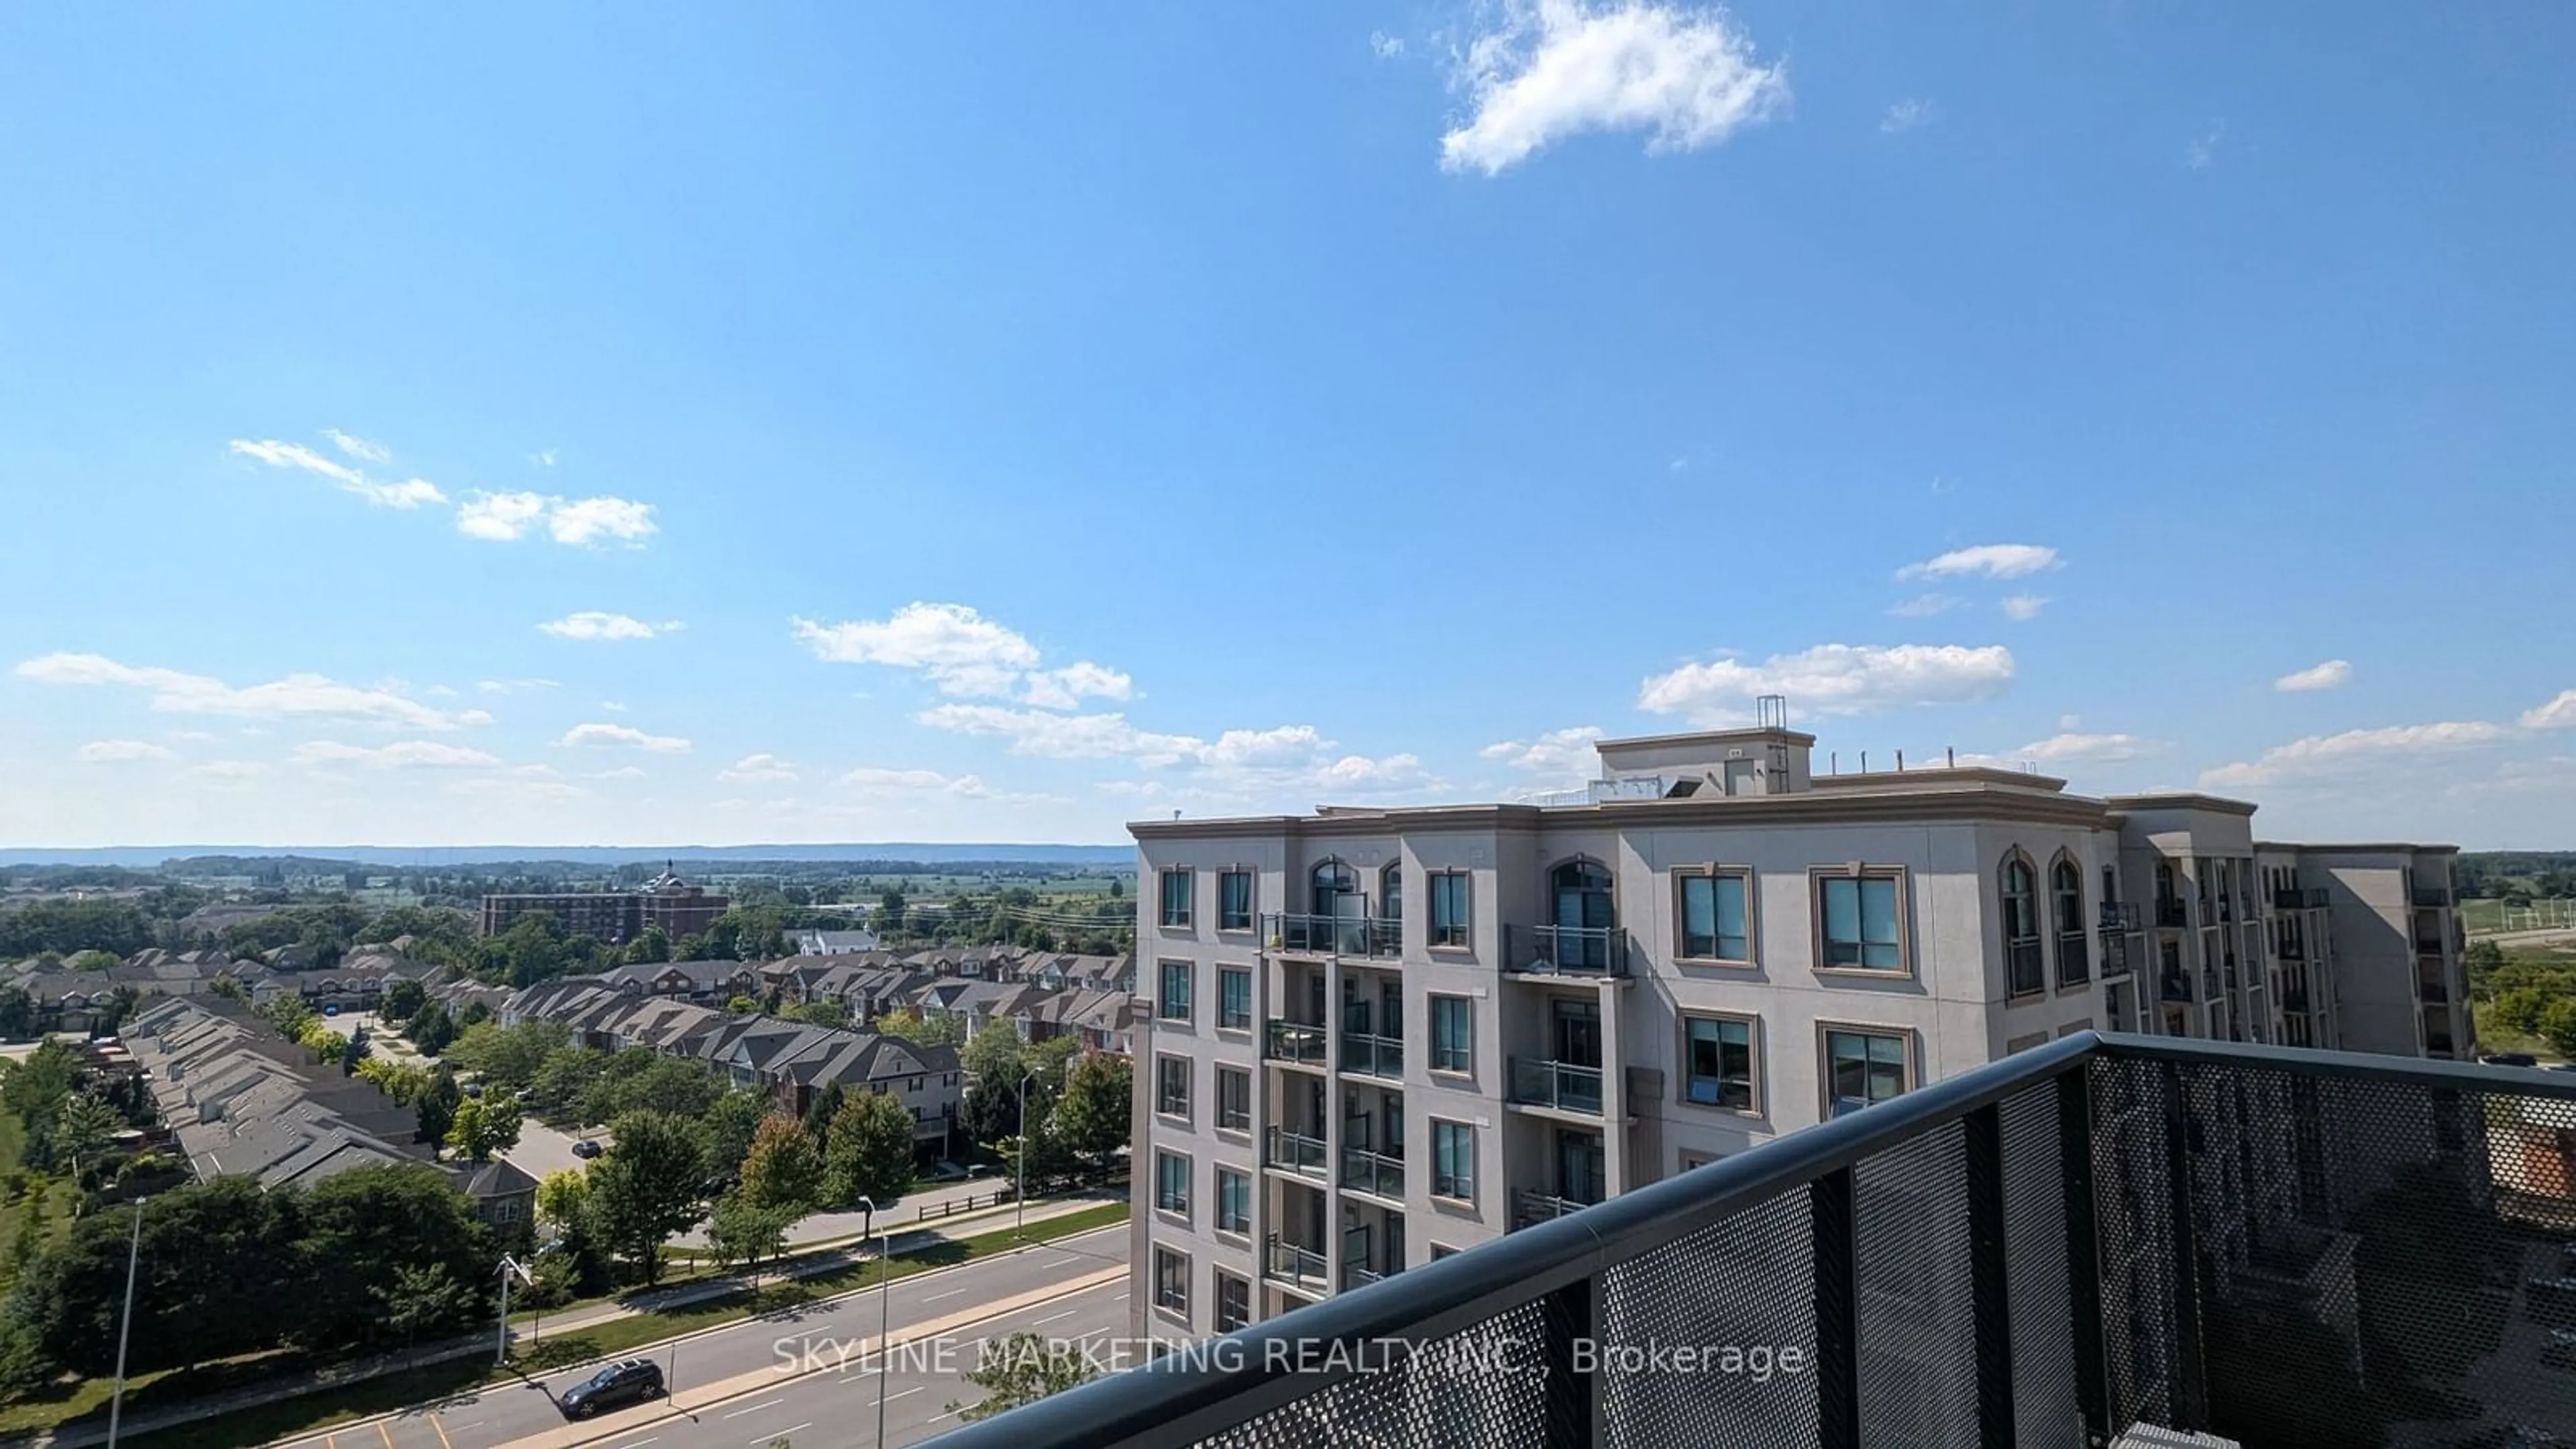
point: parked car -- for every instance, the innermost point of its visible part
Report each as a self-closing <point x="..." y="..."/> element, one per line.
<point x="474" y="1089"/>
<point x="2510" y="1059"/>
<point x="586" y="1149"/>
<point x="630" y="1382"/>
<point x="947" y="1172"/>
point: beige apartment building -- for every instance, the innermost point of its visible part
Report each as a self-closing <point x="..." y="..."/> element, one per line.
<point x="1379" y="1036"/>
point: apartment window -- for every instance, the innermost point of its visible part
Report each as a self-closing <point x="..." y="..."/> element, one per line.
<point x="1449" y="900"/>
<point x="1174" y="1005"/>
<point x="1233" y="1201"/>
<point x="1172" y="1183"/>
<point x="1440" y="1251"/>
<point x="1713" y="917"/>
<point x="1171" y="1281"/>
<point x="2066" y="892"/>
<point x="1172" y="1086"/>
<point x="1717" y="1062"/>
<point x="1453" y="1160"/>
<point x="1234" y="900"/>
<point x="1176" y="898"/>
<point x="1234" y="998"/>
<point x="1453" y="1034"/>
<point x="1390" y="892"/>
<point x="1233" y="1099"/>
<point x="1233" y="1303"/>
<point x="1862" y="1067"/>
<point x="2024" y="968"/>
<point x="1860" y="922"/>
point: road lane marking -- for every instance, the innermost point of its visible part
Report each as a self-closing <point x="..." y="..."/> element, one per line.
<point x="916" y="1388"/>
<point x="949" y="1415"/>
<point x="443" y="1441"/>
<point x="385" y="1430"/>
<point x="781" y="1434"/>
<point x="756" y="1408"/>
<point x="951" y="1293"/>
<point x="1055" y="1318"/>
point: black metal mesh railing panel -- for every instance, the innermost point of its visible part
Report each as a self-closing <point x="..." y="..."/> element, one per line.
<point x="1481" y="1389"/>
<point x="1918" y="1372"/>
<point x="2134" y="1223"/>
<point x="2043" y="1348"/>
<point x="1745" y="1284"/>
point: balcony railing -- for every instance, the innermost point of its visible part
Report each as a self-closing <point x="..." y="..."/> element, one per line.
<point x="1373" y="1056"/>
<point x="2115" y="955"/>
<point x="1292" y="1041"/>
<point x="2432" y="898"/>
<point x="1334" y="935"/>
<point x="2025" y="966"/>
<point x="1566" y="950"/>
<point x="2074" y="959"/>
<point x="2120" y="916"/>
<point x="2310" y="898"/>
<point x="1294" y="1151"/>
<point x="1565" y="1086"/>
<point x="1286" y="1262"/>
<point x="2175" y="986"/>
<point x="2173" y="913"/>
<point x="1378" y="1173"/>
<point x="1530" y="1208"/>
<point x="2294" y="1000"/>
<point x="2268" y="1245"/>
<point x="1359" y="1275"/>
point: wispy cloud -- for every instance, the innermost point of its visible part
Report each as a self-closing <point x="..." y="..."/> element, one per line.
<point x="295" y="696"/>
<point x="757" y="768"/>
<point x="2202" y="152"/>
<point x="1833" y="679"/>
<point x="2073" y="747"/>
<point x="408" y="494"/>
<point x="401" y="755"/>
<point x="577" y="522"/>
<point x="359" y="448"/>
<point x="112" y="752"/>
<point x="2023" y="608"/>
<point x="1905" y="115"/>
<point x="1924" y="606"/>
<point x="513" y="686"/>
<point x="964" y="653"/>
<point x="543" y="457"/>
<point x="2326" y="754"/>
<point x="2332" y="674"/>
<point x="626" y="735"/>
<point x="1986" y="560"/>
<point x="1385" y="46"/>
<point x="597" y="624"/>
<point x="1550" y="69"/>
<point x="1281" y="757"/>
<point x="2557" y="714"/>
<point x="1565" y="753"/>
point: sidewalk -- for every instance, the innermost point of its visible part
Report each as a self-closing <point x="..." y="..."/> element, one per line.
<point x="808" y="1263"/>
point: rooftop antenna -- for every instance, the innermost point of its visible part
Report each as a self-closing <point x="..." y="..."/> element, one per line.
<point x="1951" y="753"/>
<point x="1771" y="711"/>
<point x="1900" y="761"/>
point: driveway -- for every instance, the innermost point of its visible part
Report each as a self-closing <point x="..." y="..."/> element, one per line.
<point x="542" y="1149"/>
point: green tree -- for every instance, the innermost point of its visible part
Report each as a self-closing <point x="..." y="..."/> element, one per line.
<point x="435" y="1112"/>
<point x="32" y="1231"/>
<point x="742" y="1006"/>
<point x="825" y="1106"/>
<point x="826" y="1012"/>
<point x="2522" y="1009"/>
<point x="1022" y="1369"/>
<point x="939" y="1029"/>
<point x="508" y="1056"/>
<point x="650" y="1184"/>
<point x="92" y="961"/>
<point x="731" y="1124"/>
<point x="212" y="1264"/>
<point x="563" y="1198"/>
<point x="401" y="1000"/>
<point x="423" y="1301"/>
<point x="357" y="1234"/>
<point x="85" y="1128"/>
<point x="784" y="1168"/>
<point x="869" y="1151"/>
<point x="2558" y="1026"/>
<point x="432" y="1029"/>
<point x="560" y="1090"/>
<point x="485" y="1126"/>
<point x="742" y="1231"/>
<point x="1091" y="1119"/>
<point x="890" y="910"/>
<point x="650" y="948"/>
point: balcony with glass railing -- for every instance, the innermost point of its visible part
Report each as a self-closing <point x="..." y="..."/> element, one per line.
<point x="2307" y="898"/>
<point x="1379" y="1174"/>
<point x="1597" y="951"/>
<point x="1294" y="1041"/>
<point x="1296" y="1152"/>
<point x="1373" y="1056"/>
<point x="1559" y="1086"/>
<point x="2173" y="914"/>
<point x="1359" y="936"/>
<point x="2096" y="1236"/>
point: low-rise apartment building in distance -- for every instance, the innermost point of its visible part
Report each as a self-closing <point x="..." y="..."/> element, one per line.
<point x="679" y="908"/>
<point x="1376" y="1036"/>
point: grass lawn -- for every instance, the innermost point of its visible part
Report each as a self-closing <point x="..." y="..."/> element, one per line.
<point x="310" y="1412"/>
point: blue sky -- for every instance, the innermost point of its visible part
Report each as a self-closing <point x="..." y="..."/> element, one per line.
<point x="1004" y="422"/>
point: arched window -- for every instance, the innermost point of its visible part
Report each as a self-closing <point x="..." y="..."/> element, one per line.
<point x="1335" y="886"/>
<point x="2066" y="886"/>
<point x="2025" y="969"/>
<point x="1390" y="892"/>
<point x="1579" y="892"/>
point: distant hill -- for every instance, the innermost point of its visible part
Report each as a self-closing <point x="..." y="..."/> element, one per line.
<point x="146" y="857"/>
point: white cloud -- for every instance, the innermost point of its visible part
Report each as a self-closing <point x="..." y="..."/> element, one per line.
<point x="1282" y="757"/>
<point x="1063" y="736"/>
<point x="1066" y="688"/>
<point x="108" y="752"/>
<point x="295" y="696"/>
<point x="228" y="774"/>
<point x="1833" y="679"/>
<point x="960" y="649"/>
<point x="1385" y="46"/>
<point x="2333" y="674"/>
<point x="2074" y="747"/>
<point x="359" y="448"/>
<point x="401" y="755"/>
<point x="2557" y="714"/>
<point x="2023" y="607"/>
<point x="513" y="686"/>
<point x="411" y="493"/>
<point x="1905" y="115"/>
<point x="543" y="457"/>
<point x="2202" y="153"/>
<point x="755" y="768"/>
<point x="612" y="706"/>
<point x="600" y="624"/>
<point x="622" y="772"/>
<point x="1565" y="752"/>
<point x="618" y="734"/>
<point x="474" y="717"/>
<point x="1551" y="69"/>
<point x="2327" y="754"/>
<point x="579" y="522"/>
<point x="1987" y="560"/>
<point x="1924" y="606"/>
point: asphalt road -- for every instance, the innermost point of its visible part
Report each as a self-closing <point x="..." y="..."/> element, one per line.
<point x="515" y="1411"/>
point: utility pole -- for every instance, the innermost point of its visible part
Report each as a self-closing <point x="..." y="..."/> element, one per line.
<point x="125" y="1327"/>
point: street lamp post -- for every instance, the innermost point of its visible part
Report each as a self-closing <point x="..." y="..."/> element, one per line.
<point x="885" y="1305"/>
<point x="1020" y="1195"/>
<point x="125" y="1326"/>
